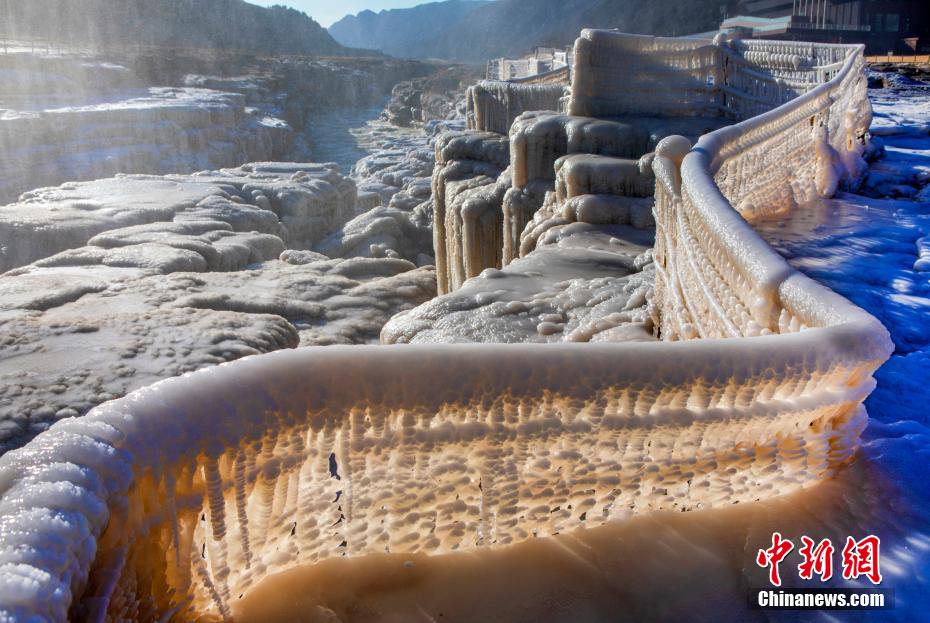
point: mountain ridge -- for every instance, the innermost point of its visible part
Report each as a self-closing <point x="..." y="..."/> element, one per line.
<point x="511" y="28"/>
<point x="217" y="24"/>
<point x="399" y="32"/>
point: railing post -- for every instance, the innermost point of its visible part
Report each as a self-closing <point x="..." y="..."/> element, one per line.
<point x="667" y="302"/>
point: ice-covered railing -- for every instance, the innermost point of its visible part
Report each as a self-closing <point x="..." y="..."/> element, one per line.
<point x="491" y="105"/>
<point x="178" y="498"/>
<point x="170" y="503"/>
<point x="758" y="75"/>
<point x="716" y="278"/>
<point x="617" y="74"/>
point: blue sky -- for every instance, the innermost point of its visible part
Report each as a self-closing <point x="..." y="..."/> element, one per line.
<point x="328" y="11"/>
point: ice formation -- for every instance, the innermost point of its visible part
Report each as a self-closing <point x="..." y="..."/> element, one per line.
<point x="661" y="566"/>
<point x="542" y="65"/>
<point x="175" y="500"/>
<point x="468" y="186"/>
<point x="686" y="87"/>
<point x="299" y="203"/>
<point x="492" y="105"/>
<point x="394" y="197"/>
<point x="584" y="283"/>
<point x="423" y="100"/>
<point x="162" y="276"/>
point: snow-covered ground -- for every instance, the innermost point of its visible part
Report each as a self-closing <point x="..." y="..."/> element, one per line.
<point x="588" y="284"/>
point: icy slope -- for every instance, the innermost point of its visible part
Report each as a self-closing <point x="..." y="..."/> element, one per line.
<point x="586" y="283"/>
<point x="299" y="203"/>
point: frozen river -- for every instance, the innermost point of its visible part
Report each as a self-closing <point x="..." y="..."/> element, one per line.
<point x="347" y="135"/>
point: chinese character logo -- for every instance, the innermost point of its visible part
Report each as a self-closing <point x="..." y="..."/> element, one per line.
<point x="772" y="556"/>
<point x="817" y="559"/>
<point x="859" y="558"/>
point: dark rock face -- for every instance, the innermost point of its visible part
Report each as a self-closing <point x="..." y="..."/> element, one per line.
<point x="913" y="71"/>
<point x="401" y="32"/>
<point x="436" y="97"/>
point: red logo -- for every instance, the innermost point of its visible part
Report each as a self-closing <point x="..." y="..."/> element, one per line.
<point x="817" y="559"/>
<point x="859" y="558"/>
<point x="772" y="556"/>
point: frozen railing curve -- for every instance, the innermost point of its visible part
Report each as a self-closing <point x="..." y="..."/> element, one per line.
<point x="173" y="501"/>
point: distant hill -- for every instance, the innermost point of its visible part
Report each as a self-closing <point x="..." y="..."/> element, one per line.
<point x="402" y="32"/>
<point x="513" y="27"/>
<point x="222" y="24"/>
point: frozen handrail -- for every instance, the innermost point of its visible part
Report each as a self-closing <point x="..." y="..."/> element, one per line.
<point x="174" y="500"/>
<point x="716" y="276"/>
<point x="618" y="74"/>
<point x="181" y="496"/>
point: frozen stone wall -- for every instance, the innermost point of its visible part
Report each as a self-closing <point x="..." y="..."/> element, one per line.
<point x="540" y="140"/>
<point x="491" y="106"/>
<point x="153" y="504"/>
<point x="469" y="183"/>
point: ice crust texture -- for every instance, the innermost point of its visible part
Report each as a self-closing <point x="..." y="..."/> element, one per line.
<point x="179" y="497"/>
<point x="159" y="276"/>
